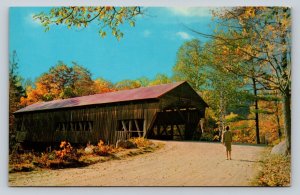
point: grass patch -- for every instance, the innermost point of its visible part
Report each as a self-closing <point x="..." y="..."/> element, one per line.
<point x="69" y="157"/>
<point x="275" y="171"/>
<point x="23" y="167"/>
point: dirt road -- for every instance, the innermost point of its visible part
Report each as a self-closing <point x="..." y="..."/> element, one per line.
<point x="177" y="164"/>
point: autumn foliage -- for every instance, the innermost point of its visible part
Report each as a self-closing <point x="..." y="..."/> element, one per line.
<point x="65" y="149"/>
<point x="245" y="59"/>
<point x="104" y="150"/>
<point x="68" y="156"/>
<point x="276" y="171"/>
<point x="141" y="142"/>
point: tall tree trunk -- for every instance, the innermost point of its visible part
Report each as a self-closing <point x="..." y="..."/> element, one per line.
<point x="278" y="120"/>
<point x="287" y="118"/>
<point x="286" y="95"/>
<point x="256" y="112"/>
<point x="222" y="111"/>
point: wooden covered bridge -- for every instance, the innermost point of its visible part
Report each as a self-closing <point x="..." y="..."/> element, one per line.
<point x="168" y="111"/>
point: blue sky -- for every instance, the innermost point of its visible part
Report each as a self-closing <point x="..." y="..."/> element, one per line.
<point x="145" y="50"/>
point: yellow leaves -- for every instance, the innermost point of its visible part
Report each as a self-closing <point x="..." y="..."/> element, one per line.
<point x="231" y="116"/>
<point x="77" y="16"/>
<point x="132" y="23"/>
<point x="102" y="33"/>
<point x="141" y="142"/>
<point x="225" y="50"/>
<point x="249" y="12"/>
<point x="270" y="47"/>
<point x="286" y="22"/>
<point x="276" y="171"/>
<point x="33" y="95"/>
<point x="248" y="49"/>
<point x="102" y="15"/>
<point x="102" y="86"/>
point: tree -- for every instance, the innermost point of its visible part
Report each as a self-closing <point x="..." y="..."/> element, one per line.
<point x="59" y="83"/>
<point x="16" y="91"/>
<point x="82" y="80"/>
<point x="103" y="86"/>
<point x="266" y="34"/>
<point x="144" y="81"/>
<point x="160" y="79"/>
<point x="190" y="64"/>
<point x="225" y="59"/>
<point x="108" y="18"/>
<point x="224" y="93"/>
<point x="127" y="84"/>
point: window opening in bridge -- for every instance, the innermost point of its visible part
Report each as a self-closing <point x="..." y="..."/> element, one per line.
<point x="75" y="126"/>
<point x="133" y="127"/>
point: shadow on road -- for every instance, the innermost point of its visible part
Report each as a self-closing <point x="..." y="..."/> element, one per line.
<point x="251" y="161"/>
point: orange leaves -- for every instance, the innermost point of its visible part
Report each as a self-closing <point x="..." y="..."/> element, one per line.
<point x="33" y="95"/>
<point x="269" y="123"/>
<point x="238" y="51"/>
<point x="104" y="150"/>
<point x="66" y="149"/>
<point x="108" y="8"/>
<point x="270" y="27"/>
<point x="100" y="143"/>
<point x="141" y="142"/>
<point x="103" y="86"/>
<point x="62" y="144"/>
<point x="60" y="82"/>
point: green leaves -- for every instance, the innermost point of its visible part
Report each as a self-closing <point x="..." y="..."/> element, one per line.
<point x="190" y="64"/>
<point x="108" y="18"/>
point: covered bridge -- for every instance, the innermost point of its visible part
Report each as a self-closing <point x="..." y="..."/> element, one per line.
<point x="168" y="111"/>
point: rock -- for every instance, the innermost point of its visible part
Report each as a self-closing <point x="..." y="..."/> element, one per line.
<point x="279" y="149"/>
<point x="89" y="149"/>
<point x="125" y="144"/>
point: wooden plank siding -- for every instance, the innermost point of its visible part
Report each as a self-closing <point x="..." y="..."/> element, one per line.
<point x="41" y="126"/>
<point x="179" y="108"/>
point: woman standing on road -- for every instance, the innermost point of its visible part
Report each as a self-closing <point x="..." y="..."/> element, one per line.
<point x="226" y="140"/>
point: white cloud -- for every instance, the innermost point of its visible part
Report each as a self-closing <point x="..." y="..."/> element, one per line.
<point x="190" y="11"/>
<point x="29" y="19"/>
<point x="183" y="35"/>
<point x="146" y="33"/>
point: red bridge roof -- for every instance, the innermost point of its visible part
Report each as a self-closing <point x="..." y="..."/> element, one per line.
<point x="141" y="93"/>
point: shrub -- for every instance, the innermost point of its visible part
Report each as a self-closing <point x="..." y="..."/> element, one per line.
<point x="207" y="137"/>
<point x="141" y="142"/>
<point x="65" y="150"/>
<point x="104" y="150"/>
